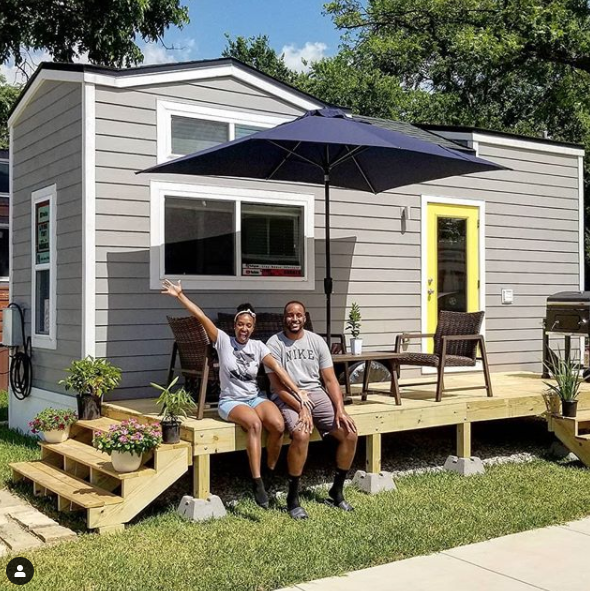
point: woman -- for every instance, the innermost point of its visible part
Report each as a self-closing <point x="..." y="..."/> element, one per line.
<point x="240" y="400"/>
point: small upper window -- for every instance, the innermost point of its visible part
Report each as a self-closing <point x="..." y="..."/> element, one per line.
<point x="4" y="187"/>
<point x="184" y="128"/>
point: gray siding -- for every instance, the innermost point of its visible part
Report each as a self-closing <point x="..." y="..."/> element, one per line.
<point x="531" y="239"/>
<point x="47" y="150"/>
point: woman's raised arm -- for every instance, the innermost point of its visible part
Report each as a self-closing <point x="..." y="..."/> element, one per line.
<point x="175" y="290"/>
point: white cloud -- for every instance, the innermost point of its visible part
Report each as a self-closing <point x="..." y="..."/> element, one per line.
<point x="311" y="52"/>
<point x="154" y="53"/>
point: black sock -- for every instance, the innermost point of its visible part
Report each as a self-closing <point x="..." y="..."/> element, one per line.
<point x="293" y="495"/>
<point x="260" y="495"/>
<point x="336" y="492"/>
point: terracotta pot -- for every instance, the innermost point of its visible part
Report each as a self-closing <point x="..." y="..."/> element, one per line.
<point x="569" y="408"/>
<point x="125" y="461"/>
<point x="56" y="435"/>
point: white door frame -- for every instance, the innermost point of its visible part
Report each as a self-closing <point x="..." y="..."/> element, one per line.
<point x="426" y="200"/>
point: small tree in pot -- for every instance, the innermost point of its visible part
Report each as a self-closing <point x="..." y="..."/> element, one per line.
<point x="353" y="324"/>
<point x="91" y="378"/>
<point x="174" y="406"/>
<point x="566" y="373"/>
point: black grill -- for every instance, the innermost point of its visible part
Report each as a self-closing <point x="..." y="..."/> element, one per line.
<point x="568" y="314"/>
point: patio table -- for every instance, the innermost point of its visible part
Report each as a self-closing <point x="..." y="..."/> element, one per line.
<point x="383" y="356"/>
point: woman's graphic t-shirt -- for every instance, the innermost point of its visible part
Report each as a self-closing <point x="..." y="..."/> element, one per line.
<point x="238" y="366"/>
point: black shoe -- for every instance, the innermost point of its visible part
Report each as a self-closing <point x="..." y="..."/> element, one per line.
<point x="298" y="513"/>
<point x="343" y="504"/>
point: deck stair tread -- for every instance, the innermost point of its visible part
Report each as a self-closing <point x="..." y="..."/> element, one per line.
<point x="101" y="424"/>
<point x="98" y="460"/>
<point x="65" y="485"/>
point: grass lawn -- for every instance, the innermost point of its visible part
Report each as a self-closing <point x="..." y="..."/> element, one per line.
<point x="257" y="550"/>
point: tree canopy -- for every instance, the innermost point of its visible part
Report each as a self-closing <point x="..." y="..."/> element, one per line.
<point x="107" y="30"/>
<point x="8" y="95"/>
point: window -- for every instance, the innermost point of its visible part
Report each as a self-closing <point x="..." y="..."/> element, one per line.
<point x="43" y="282"/>
<point x="184" y="128"/>
<point x="4" y="250"/>
<point x="215" y="238"/>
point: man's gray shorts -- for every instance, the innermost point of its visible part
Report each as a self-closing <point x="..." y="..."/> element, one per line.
<point x="324" y="417"/>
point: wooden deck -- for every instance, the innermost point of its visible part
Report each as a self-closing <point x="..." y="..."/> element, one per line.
<point x="515" y="395"/>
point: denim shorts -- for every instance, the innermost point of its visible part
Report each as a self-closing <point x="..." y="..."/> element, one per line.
<point x="226" y="406"/>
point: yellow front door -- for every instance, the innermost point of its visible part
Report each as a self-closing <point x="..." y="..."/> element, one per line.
<point x="452" y="278"/>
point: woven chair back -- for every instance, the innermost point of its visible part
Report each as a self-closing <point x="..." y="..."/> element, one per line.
<point x="192" y="342"/>
<point x="458" y="323"/>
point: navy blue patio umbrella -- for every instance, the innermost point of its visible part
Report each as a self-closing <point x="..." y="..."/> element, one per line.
<point x="331" y="147"/>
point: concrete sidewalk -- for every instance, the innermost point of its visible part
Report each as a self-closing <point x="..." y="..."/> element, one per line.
<point x="554" y="558"/>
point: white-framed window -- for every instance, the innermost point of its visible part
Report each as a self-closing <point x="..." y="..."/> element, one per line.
<point x="217" y="238"/>
<point x="184" y="128"/>
<point x="44" y="267"/>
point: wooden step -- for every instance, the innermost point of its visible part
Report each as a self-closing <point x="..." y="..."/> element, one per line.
<point x="101" y="424"/>
<point x="65" y="485"/>
<point x="97" y="460"/>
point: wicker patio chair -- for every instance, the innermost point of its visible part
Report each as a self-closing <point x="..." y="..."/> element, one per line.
<point x="194" y="350"/>
<point x="456" y="341"/>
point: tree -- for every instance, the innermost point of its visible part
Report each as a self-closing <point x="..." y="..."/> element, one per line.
<point x="8" y="95"/>
<point x="257" y="52"/>
<point x="105" y="29"/>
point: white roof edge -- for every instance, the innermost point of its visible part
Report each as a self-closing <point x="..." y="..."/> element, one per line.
<point x="144" y="79"/>
<point x="510" y="142"/>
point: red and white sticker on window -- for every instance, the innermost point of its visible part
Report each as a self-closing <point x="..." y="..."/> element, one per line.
<point x="255" y="270"/>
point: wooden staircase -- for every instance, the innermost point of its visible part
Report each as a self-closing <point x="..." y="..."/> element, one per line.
<point x="574" y="433"/>
<point x="83" y="478"/>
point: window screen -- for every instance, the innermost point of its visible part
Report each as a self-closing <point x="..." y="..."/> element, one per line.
<point x="244" y="130"/>
<point x="272" y="240"/>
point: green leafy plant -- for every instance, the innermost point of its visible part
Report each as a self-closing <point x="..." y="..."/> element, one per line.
<point x="353" y="324"/>
<point x="130" y="435"/>
<point x="53" y="419"/>
<point x="92" y="376"/>
<point x="174" y="404"/>
<point x="566" y="373"/>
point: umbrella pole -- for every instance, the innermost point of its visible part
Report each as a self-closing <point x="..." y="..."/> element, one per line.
<point x="328" y="283"/>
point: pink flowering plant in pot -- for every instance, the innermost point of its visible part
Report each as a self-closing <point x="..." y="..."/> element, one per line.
<point x="127" y="441"/>
<point x="53" y="423"/>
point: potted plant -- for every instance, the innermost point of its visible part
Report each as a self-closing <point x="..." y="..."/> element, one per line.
<point x="566" y="373"/>
<point x="92" y="379"/>
<point x="174" y="406"/>
<point x="127" y="441"/>
<point x="54" y="424"/>
<point x="353" y="324"/>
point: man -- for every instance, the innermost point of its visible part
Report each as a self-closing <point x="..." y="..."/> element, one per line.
<point x="306" y="357"/>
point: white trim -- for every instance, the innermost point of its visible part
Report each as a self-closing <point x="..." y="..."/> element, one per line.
<point x="20" y="412"/>
<point x="88" y="344"/>
<point x="40" y="340"/>
<point x="159" y="189"/>
<point x="582" y="245"/>
<point x="165" y="109"/>
<point x="10" y="202"/>
<point x="425" y="201"/>
<point x="42" y="76"/>
<point x="475" y="137"/>
<point x="259" y="81"/>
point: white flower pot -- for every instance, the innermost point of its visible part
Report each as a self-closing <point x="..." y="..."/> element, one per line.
<point x="125" y="461"/>
<point x="56" y="435"/>
<point x="356" y="346"/>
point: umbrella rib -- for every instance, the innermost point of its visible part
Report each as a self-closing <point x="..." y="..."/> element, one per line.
<point x="369" y="183"/>
<point x="289" y="153"/>
<point x="348" y="155"/>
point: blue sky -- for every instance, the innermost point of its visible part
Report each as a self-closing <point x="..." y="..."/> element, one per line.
<point x="295" y="28"/>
